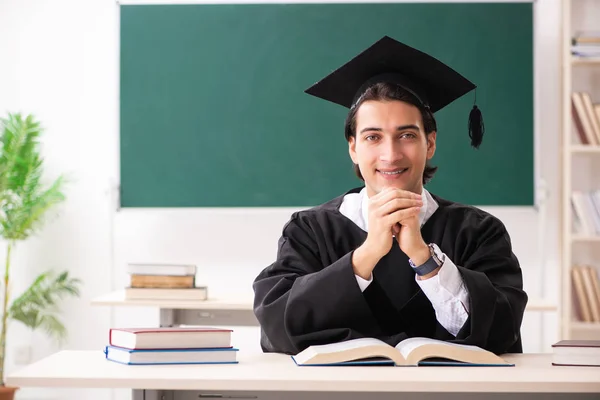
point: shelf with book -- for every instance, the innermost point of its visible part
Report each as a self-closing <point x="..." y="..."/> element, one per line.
<point x="579" y="314"/>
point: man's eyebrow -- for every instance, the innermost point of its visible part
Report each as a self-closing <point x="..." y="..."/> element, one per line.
<point x="400" y="128"/>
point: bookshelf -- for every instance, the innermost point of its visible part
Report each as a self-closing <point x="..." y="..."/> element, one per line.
<point x="580" y="167"/>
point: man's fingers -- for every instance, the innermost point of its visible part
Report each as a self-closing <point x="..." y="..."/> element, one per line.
<point x="391" y="193"/>
<point x="379" y="195"/>
<point x="396" y="204"/>
<point x="401" y="215"/>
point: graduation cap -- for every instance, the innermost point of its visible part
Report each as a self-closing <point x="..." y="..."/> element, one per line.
<point x="432" y="82"/>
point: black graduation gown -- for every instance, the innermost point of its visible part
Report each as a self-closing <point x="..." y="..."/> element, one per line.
<point x="310" y="295"/>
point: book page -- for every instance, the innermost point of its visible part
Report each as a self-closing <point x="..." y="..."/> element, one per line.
<point x="339" y="351"/>
<point x="408" y="345"/>
<point x="347" y="345"/>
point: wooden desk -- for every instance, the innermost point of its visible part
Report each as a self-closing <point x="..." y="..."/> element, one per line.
<point x="220" y="311"/>
<point x="242" y="303"/>
<point x="258" y="372"/>
<point x="234" y="311"/>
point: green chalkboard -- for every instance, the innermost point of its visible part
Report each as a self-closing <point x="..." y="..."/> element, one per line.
<point x="213" y="111"/>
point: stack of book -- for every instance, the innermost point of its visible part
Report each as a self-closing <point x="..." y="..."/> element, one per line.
<point x="178" y="345"/>
<point x="163" y="282"/>
<point x="586" y="44"/>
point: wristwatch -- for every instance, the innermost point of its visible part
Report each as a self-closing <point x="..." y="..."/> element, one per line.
<point x="434" y="262"/>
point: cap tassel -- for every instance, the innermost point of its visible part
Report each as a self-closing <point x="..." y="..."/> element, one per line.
<point x="476" y="126"/>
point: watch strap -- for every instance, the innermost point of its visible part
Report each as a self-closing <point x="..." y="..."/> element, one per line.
<point x="427" y="267"/>
<point x="432" y="263"/>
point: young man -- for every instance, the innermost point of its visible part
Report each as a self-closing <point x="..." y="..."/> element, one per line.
<point x="392" y="260"/>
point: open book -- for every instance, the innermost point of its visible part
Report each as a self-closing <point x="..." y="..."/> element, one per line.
<point x="409" y="352"/>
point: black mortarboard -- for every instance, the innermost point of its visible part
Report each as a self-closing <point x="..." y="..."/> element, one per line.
<point x="434" y="83"/>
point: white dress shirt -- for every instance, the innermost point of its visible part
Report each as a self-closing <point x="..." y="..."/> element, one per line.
<point x="446" y="291"/>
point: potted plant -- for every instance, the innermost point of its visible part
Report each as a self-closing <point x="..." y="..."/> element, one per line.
<point x="24" y="203"/>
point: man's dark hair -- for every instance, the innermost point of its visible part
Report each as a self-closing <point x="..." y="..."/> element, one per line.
<point x="387" y="92"/>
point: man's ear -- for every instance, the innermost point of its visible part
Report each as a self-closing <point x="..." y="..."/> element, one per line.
<point x="352" y="149"/>
<point x="431" y="144"/>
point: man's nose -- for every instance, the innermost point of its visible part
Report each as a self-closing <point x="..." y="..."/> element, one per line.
<point x="390" y="151"/>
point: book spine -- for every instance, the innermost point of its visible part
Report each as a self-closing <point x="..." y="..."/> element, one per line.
<point x="162" y="281"/>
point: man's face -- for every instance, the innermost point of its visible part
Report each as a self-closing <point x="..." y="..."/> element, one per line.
<point x="391" y="147"/>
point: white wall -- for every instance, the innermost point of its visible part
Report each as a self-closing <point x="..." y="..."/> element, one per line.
<point x="59" y="60"/>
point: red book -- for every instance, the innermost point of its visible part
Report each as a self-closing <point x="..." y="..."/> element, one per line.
<point x="170" y="338"/>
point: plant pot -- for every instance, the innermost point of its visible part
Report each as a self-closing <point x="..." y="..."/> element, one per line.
<point x="8" y="392"/>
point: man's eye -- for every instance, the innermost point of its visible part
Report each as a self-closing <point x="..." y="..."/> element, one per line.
<point x="408" y="136"/>
<point x="371" y="137"/>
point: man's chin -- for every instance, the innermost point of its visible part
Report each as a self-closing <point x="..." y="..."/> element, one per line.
<point x="394" y="185"/>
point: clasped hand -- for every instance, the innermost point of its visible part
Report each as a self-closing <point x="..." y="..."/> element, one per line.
<point x="395" y="212"/>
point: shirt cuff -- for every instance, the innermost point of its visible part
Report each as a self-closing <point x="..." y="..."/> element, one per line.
<point x="446" y="285"/>
<point x="448" y="295"/>
<point x="363" y="283"/>
<point x="451" y="280"/>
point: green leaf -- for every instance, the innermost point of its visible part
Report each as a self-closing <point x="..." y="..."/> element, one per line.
<point x="24" y="199"/>
<point x="37" y="306"/>
<point x="53" y="327"/>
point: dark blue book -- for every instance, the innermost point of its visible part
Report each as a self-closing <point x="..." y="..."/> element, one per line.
<point x="171" y="356"/>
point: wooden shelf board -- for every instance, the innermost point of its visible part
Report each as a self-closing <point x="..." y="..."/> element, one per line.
<point x="585" y="148"/>
<point x="578" y="60"/>
<point x="585" y="326"/>
<point x="535" y="304"/>
<point x="585" y="238"/>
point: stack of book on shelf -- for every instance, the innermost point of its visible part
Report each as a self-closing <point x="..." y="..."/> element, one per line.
<point x="177" y="345"/>
<point x="586" y="118"/>
<point x="576" y="352"/>
<point x="586" y="291"/>
<point x="163" y="282"/>
<point x="586" y="212"/>
<point x="586" y="44"/>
